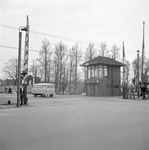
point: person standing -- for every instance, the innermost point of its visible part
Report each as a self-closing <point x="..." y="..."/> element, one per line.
<point x="132" y="92"/>
<point x="147" y="89"/>
<point x="143" y="90"/>
<point x="21" y="95"/>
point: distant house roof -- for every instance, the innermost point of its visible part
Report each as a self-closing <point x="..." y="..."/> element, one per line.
<point x="102" y="61"/>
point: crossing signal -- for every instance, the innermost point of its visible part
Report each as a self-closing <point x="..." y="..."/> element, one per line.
<point x="23" y="74"/>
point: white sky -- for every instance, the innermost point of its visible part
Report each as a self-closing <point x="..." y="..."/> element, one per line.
<point x="112" y="21"/>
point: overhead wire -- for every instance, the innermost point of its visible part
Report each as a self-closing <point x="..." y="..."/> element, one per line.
<point x="58" y="37"/>
<point x="50" y="35"/>
<point x="53" y="36"/>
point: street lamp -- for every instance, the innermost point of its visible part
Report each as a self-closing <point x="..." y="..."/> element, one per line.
<point x="138" y="88"/>
<point x="21" y="28"/>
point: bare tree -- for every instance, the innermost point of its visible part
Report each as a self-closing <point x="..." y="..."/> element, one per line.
<point x="115" y="54"/>
<point x="11" y="69"/>
<point x="127" y="71"/>
<point x="135" y="66"/>
<point x="34" y="69"/>
<point x="146" y="69"/>
<point x="76" y="51"/>
<point x="103" y="51"/>
<point x="60" y="59"/>
<point x="71" y="66"/>
<point x="90" y="52"/>
<point x="45" y="57"/>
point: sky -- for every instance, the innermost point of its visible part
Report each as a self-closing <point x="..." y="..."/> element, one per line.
<point x="71" y="21"/>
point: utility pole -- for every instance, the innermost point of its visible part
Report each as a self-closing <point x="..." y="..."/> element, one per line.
<point x="143" y="47"/>
<point x="138" y="63"/>
<point x="19" y="68"/>
<point x="124" y="74"/>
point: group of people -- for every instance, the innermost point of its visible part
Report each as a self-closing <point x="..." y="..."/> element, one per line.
<point x="144" y="91"/>
<point x="8" y="90"/>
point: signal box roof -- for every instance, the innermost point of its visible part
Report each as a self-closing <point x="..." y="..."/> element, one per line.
<point x="100" y="60"/>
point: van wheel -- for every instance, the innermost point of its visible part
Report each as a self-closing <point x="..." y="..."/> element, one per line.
<point x="35" y="95"/>
<point x="51" y="95"/>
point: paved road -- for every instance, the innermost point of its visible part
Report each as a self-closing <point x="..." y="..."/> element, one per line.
<point x="76" y="123"/>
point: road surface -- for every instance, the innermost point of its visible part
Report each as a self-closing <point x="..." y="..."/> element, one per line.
<point x="76" y="123"/>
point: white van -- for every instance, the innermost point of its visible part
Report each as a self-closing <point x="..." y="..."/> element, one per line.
<point x="43" y="89"/>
